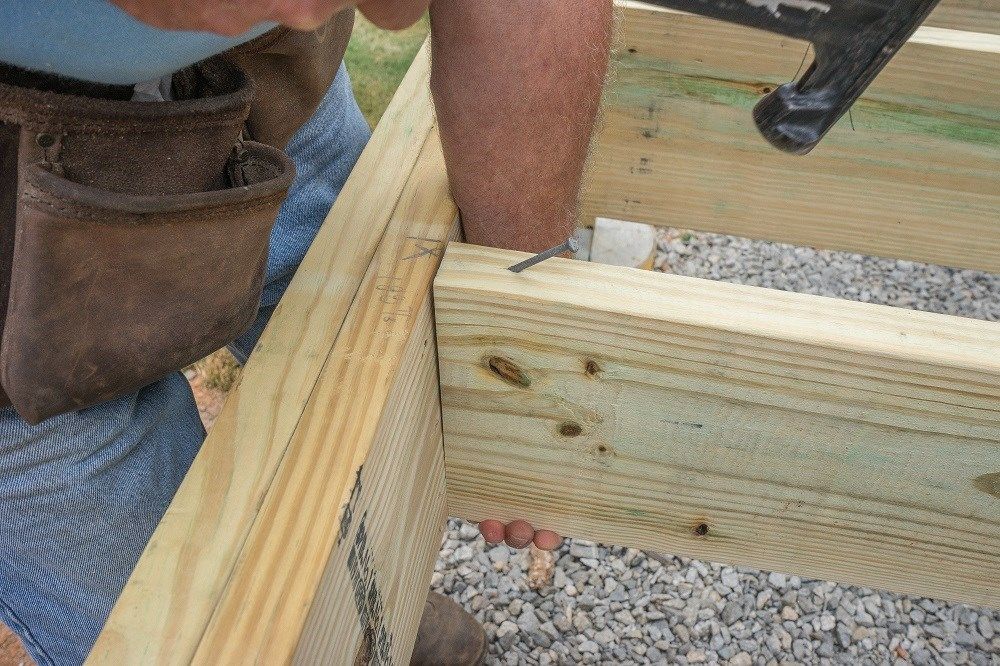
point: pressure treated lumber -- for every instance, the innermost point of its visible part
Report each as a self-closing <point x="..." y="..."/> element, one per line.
<point x="182" y="576"/>
<point x="972" y="15"/>
<point x="295" y="569"/>
<point x="917" y="178"/>
<point x="981" y="16"/>
<point x="827" y="438"/>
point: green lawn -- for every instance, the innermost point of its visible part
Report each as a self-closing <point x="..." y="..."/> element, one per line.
<point x="377" y="60"/>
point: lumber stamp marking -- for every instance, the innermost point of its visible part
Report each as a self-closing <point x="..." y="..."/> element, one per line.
<point x="918" y="176"/>
<point x="790" y="432"/>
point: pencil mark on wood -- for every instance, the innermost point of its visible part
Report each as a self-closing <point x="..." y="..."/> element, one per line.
<point x="686" y="424"/>
<point x="425" y="247"/>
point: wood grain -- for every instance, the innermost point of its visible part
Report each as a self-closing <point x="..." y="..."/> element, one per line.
<point x="917" y="178"/>
<point x="833" y="439"/>
<point x="180" y="578"/>
<point x="972" y="15"/>
<point x="979" y="16"/>
<point x="292" y="570"/>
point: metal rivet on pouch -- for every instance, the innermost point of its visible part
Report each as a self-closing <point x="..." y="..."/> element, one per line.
<point x="45" y="140"/>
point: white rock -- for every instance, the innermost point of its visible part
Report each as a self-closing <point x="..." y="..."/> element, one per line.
<point x="985" y="626"/>
<point x="468" y="532"/>
<point x="621" y="243"/>
<point x="776" y="579"/>
<point x="730" y="579"/>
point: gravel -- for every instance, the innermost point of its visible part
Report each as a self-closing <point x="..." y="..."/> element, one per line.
<point x="622" y="606"/>
<point x="857" y="277"/>
<point x="673" y="610"/>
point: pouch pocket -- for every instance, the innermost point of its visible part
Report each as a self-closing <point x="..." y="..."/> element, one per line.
<point x="109" y="292"/>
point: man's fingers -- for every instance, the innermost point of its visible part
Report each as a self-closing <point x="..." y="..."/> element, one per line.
<point x="492" y="531"/>
<point x="519" y="534"/>
<point x="547" y="540"/>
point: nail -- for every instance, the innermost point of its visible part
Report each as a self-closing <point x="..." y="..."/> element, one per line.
<point x="571" y="245"/>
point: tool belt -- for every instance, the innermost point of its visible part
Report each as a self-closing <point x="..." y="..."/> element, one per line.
<point x="134" y="235"/>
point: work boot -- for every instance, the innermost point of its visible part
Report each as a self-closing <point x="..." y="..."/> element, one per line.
<point x="448" y="636"/>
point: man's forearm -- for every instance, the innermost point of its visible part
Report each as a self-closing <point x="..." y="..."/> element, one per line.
<point x="517" y="86"/>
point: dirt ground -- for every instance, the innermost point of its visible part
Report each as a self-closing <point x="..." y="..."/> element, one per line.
<point x="11" y="652"/>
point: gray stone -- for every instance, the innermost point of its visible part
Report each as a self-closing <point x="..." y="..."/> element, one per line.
<point x="624" y="617"/>
<point x="562" y="623"/>
<point x="605" y="637"/>
<point x="732" y="612"/>
<point x="696" y="656"/>
<point x="741" y="659"/>
<point x="527" y="620"/>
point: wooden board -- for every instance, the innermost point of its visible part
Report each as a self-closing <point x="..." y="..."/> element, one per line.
<point x="355" y="453"/>
<point x="174" y="591"/>
<point x="832" y="439"/>
<point x="966" y="15"/>
<point x="918" y="177"/>
<point x="972" y="15"/>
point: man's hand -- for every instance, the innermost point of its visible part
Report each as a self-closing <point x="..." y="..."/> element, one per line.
<point x="518" y="534"/>
<point x="235" y="17"/>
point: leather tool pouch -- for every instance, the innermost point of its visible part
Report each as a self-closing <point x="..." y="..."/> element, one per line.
<point x="292" y="71"/>
<point x="133" y="235"/>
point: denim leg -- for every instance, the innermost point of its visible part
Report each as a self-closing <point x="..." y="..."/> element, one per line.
<point x="81" y="494"/>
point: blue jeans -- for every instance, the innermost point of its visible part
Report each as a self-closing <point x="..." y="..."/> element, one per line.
<point x="81" y="494"/>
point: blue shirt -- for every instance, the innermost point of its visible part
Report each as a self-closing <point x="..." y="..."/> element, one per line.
<point x="95" y="41"/>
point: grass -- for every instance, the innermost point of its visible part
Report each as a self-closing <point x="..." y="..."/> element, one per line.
<point x="377" y="61"/>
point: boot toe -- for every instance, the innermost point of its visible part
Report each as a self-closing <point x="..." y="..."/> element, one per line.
<point x="448" y="635"/>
